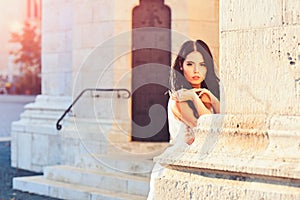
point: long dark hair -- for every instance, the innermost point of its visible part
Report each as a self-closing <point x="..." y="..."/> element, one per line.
<point x="177" y="79"/>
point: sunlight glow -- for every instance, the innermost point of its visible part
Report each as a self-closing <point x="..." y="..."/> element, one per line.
<point x="16" y="27"/>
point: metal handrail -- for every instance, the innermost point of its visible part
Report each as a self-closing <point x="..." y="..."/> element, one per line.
<point x="59" y="126"/>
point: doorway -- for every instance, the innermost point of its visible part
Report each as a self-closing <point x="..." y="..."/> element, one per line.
<point x="151" y="61"/>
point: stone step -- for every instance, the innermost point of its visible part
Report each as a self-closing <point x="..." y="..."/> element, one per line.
<point x="42" y="186"/>
<point x="138" y="149"/>
<point x="116" y="182"/>
<point x="113" y="163"/>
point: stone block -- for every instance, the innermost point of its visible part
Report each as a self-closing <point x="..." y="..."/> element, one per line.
<point x="115" y="182"/>
<point x="56" y="42"/>
<point x="138" y="188"/>
<point x="56" y="83"/>
<point x="92" y="147"/>
<point x="84" y="8"/>
<point x="63" y="191"/>
<point x="57" y="16"/>
<point x="291" y="14"/>
<point x="269" y="84"/>
<point x="52" y="61"/>
<point x="24" y="150"/>
<point x="122" y="27"/>
<point x="79" y="56"/>
<point x="174" y="184"/>
<point x="40" y="149"/>
<point x="14" y="149"/>
<point x="57" y="62"/>
<point x="112" y="163"/>
<point x="54" y="154"/>
<point x="95" y="34"/>
<point x="285" y="123"/>
<point x="176" y="9"/>
<point x="47" y="187"/>
<point x="36" y="141"/>
<point x="203" y="10"/>
<point x="108" y="14"/>
<point x="69" y="149"/>
<point x="244" y="15"/>
<point x="33" y="185"/>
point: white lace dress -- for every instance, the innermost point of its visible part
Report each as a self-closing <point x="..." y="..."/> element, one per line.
<point x="177" y="131"/>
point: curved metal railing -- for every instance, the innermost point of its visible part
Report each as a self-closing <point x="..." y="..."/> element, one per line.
<point x="128" y="94"/>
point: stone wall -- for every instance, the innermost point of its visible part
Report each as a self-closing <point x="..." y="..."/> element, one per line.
<point x="260" y="57"/>
<point x="57" y="48"/>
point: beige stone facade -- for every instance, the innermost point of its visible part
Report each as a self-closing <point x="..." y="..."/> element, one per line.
<point x="249" y="151"/>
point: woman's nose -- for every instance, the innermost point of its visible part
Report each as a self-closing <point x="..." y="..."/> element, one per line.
<point x="196" y="68"/>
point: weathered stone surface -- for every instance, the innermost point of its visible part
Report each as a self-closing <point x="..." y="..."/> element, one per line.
<point x="36" y="142"/>
<point x="240" y="144"/>
<point x="175" y="184"/>
<point x="246" y="15"/>
<point x="267" y="79"/>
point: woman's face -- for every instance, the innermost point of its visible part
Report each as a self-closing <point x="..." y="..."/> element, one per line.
<point x="194" y="69"/>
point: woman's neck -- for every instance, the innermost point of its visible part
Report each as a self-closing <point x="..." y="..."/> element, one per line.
<point x="196" y="86"/>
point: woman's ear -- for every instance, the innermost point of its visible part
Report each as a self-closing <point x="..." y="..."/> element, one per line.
<point x="180" y="66"/>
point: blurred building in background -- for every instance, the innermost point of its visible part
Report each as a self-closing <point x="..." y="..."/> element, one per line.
<point x="13" y="15"/>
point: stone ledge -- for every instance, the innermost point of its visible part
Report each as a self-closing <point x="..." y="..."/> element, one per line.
<point x="251" y="148"/>
<point x="115" y="182"/>
<point x="42" y="186"/>
<point x="112" y="163"/>
<point x="203" y="186"/>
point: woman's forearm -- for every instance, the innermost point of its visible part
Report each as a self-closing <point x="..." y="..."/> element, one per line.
<point x="200" y="107"/>
<point x="215" y="104"/>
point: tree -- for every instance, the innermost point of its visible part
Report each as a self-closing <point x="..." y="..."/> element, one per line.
<point x="28" y="56"/>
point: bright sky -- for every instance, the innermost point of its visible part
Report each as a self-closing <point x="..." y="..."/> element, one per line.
<point x="12" y="15"/>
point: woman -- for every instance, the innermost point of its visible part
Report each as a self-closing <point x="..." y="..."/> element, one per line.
<point x="194" y="92"/>
<point x="194" y="86"/>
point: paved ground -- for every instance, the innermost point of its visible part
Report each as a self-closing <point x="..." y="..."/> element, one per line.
<point x="6" y="175"/>
<point x="11" y="106"/>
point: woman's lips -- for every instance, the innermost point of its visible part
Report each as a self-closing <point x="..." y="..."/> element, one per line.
<point x="196" y="77"/>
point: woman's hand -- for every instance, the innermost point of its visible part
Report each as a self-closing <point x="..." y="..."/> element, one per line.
<point x="213" y="100"/>
<point x="203" y="91"/>
<point x="183" y="95"/>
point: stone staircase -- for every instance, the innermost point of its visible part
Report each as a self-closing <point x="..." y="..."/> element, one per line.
<point x="96" y="164"/>
<point x="67" y="182"/>
<point x="114" y="176"/>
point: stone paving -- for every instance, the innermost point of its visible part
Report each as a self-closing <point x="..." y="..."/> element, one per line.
<point x="6" y="175"/>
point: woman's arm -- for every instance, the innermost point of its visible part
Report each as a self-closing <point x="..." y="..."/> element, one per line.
<point x="214" y="100"/>
<point x="182" y="110"/>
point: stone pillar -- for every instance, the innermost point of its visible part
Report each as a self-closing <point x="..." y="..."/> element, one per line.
<point x="251" y="150"/>
<point x="35" y="140"/>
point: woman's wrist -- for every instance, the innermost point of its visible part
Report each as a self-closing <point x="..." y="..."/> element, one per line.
<point x="195" y="97"/>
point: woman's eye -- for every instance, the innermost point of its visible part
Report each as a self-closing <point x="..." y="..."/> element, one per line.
<point x="189" y="64"/>
<point x="203" y="64"/>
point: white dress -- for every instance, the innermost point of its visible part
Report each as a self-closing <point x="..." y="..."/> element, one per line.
<point x="177" y="130"/>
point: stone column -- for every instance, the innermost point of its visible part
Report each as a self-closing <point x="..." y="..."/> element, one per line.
<point x="35" y="140"/>
<point x="251" y="150"/>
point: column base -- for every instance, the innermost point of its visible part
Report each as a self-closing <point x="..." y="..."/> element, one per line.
<point x="35" y="141"/>
<point x="241" y="151"/>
